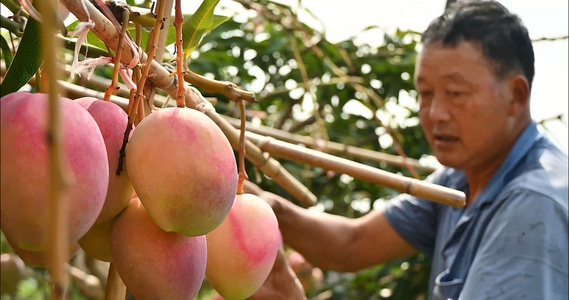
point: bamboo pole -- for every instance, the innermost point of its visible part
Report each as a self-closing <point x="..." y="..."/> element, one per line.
<point x="333" y="147"/>
<point x="418" y="188"/>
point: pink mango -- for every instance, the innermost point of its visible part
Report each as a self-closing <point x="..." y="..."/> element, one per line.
<point x="97" y="241"/>
<point x="24" y="167"/>
<point x="40" y="259"/>
<point x="112" y="121"/>
<point x="153" y="263"/>
<point x="183" y="170"/>
<point x="242" y="250"/>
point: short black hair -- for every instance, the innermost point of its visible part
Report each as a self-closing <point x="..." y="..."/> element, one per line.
<point x="502" y="36"/>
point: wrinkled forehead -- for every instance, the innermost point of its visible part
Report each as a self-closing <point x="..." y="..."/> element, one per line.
<point x="435" y="58"/>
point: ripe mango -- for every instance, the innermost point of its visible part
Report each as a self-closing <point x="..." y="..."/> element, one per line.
<point x="24" y="168"/>
<point x="112" y="121"/>
<point x="183" y="169"/>
<point x="153" y="263"/>
<point x="242" y="250"/>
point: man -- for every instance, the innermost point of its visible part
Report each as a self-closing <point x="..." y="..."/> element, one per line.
<point x="473" y="77"/>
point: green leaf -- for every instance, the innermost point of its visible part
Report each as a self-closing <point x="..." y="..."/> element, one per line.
<point x="145" y="36"/>
<point x="26" y="62"/>
<point x="171" y="38"/>
<point x="200" y="23"/>
<point x="6" y="52"/>
<point x="94" y="40"/>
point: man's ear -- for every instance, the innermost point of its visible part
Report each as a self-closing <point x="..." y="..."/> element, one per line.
<point x="519" y="91"/>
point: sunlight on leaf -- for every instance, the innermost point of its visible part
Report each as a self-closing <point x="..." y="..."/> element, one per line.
<point x="197" y="25"/>
<point x="6" y="52"/>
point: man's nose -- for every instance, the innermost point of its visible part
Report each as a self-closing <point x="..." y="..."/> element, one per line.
<point x="439" y="110"/>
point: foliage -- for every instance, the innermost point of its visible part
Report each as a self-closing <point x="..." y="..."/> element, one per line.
<point x="350" y="93"/>
<point x="267" y="54"/>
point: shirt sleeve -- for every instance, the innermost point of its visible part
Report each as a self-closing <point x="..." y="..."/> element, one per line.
<point x="523" y="253"/>
<point x="415" y="219"/>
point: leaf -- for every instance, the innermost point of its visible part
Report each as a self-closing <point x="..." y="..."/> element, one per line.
<point x="6" y="52"/>
<point x="26" y="61"/>
<point x="144" y="36"/>
<point x="171" y="38"/>
<point x="200" y="23"/>
<point x="94" y="40"/>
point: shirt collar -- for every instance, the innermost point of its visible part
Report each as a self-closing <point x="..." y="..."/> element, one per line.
<point x="518" y="152"/>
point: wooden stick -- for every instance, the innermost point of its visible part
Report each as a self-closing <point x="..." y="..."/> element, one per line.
<point x="418" y="188"/>
<point x="332" y="147"/>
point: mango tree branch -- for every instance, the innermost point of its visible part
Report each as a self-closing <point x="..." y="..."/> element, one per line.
<point x="59" y="178"/>
<point x="242" y="150"/>
<point x="158" y="26"/>
<point x="229" y="89"/>
<point x="179" y="55"/>
<point x="14" y="27"/>
<point x="150" y="91"/>
<point x="115" y="81"/>
<point x="109" y="35"/>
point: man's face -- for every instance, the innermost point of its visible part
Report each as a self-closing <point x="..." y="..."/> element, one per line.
<point x="464" y="108"/>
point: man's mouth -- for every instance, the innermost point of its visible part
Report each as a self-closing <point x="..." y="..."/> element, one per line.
<point x="445" y="139"/>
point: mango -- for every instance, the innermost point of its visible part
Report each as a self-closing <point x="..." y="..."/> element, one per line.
<point x="24" y="169"/>
<point x="112" y="121"/>
<point x="97" y="241"/>
<point x="40" y="259"/>
<point x="183" y="169"/>
<point x="243" y="249"/>
<point x="153" y="263"/>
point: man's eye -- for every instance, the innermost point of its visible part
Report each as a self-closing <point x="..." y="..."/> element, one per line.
<point x="455" y="93"/>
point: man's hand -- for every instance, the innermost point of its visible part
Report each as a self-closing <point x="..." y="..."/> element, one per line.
<point x="282" y="282"/>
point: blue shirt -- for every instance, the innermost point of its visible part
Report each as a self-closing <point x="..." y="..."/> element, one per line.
<point x="511" y="243"/>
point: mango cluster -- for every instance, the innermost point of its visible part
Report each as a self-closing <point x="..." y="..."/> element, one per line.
<point x="171" y="216"/>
